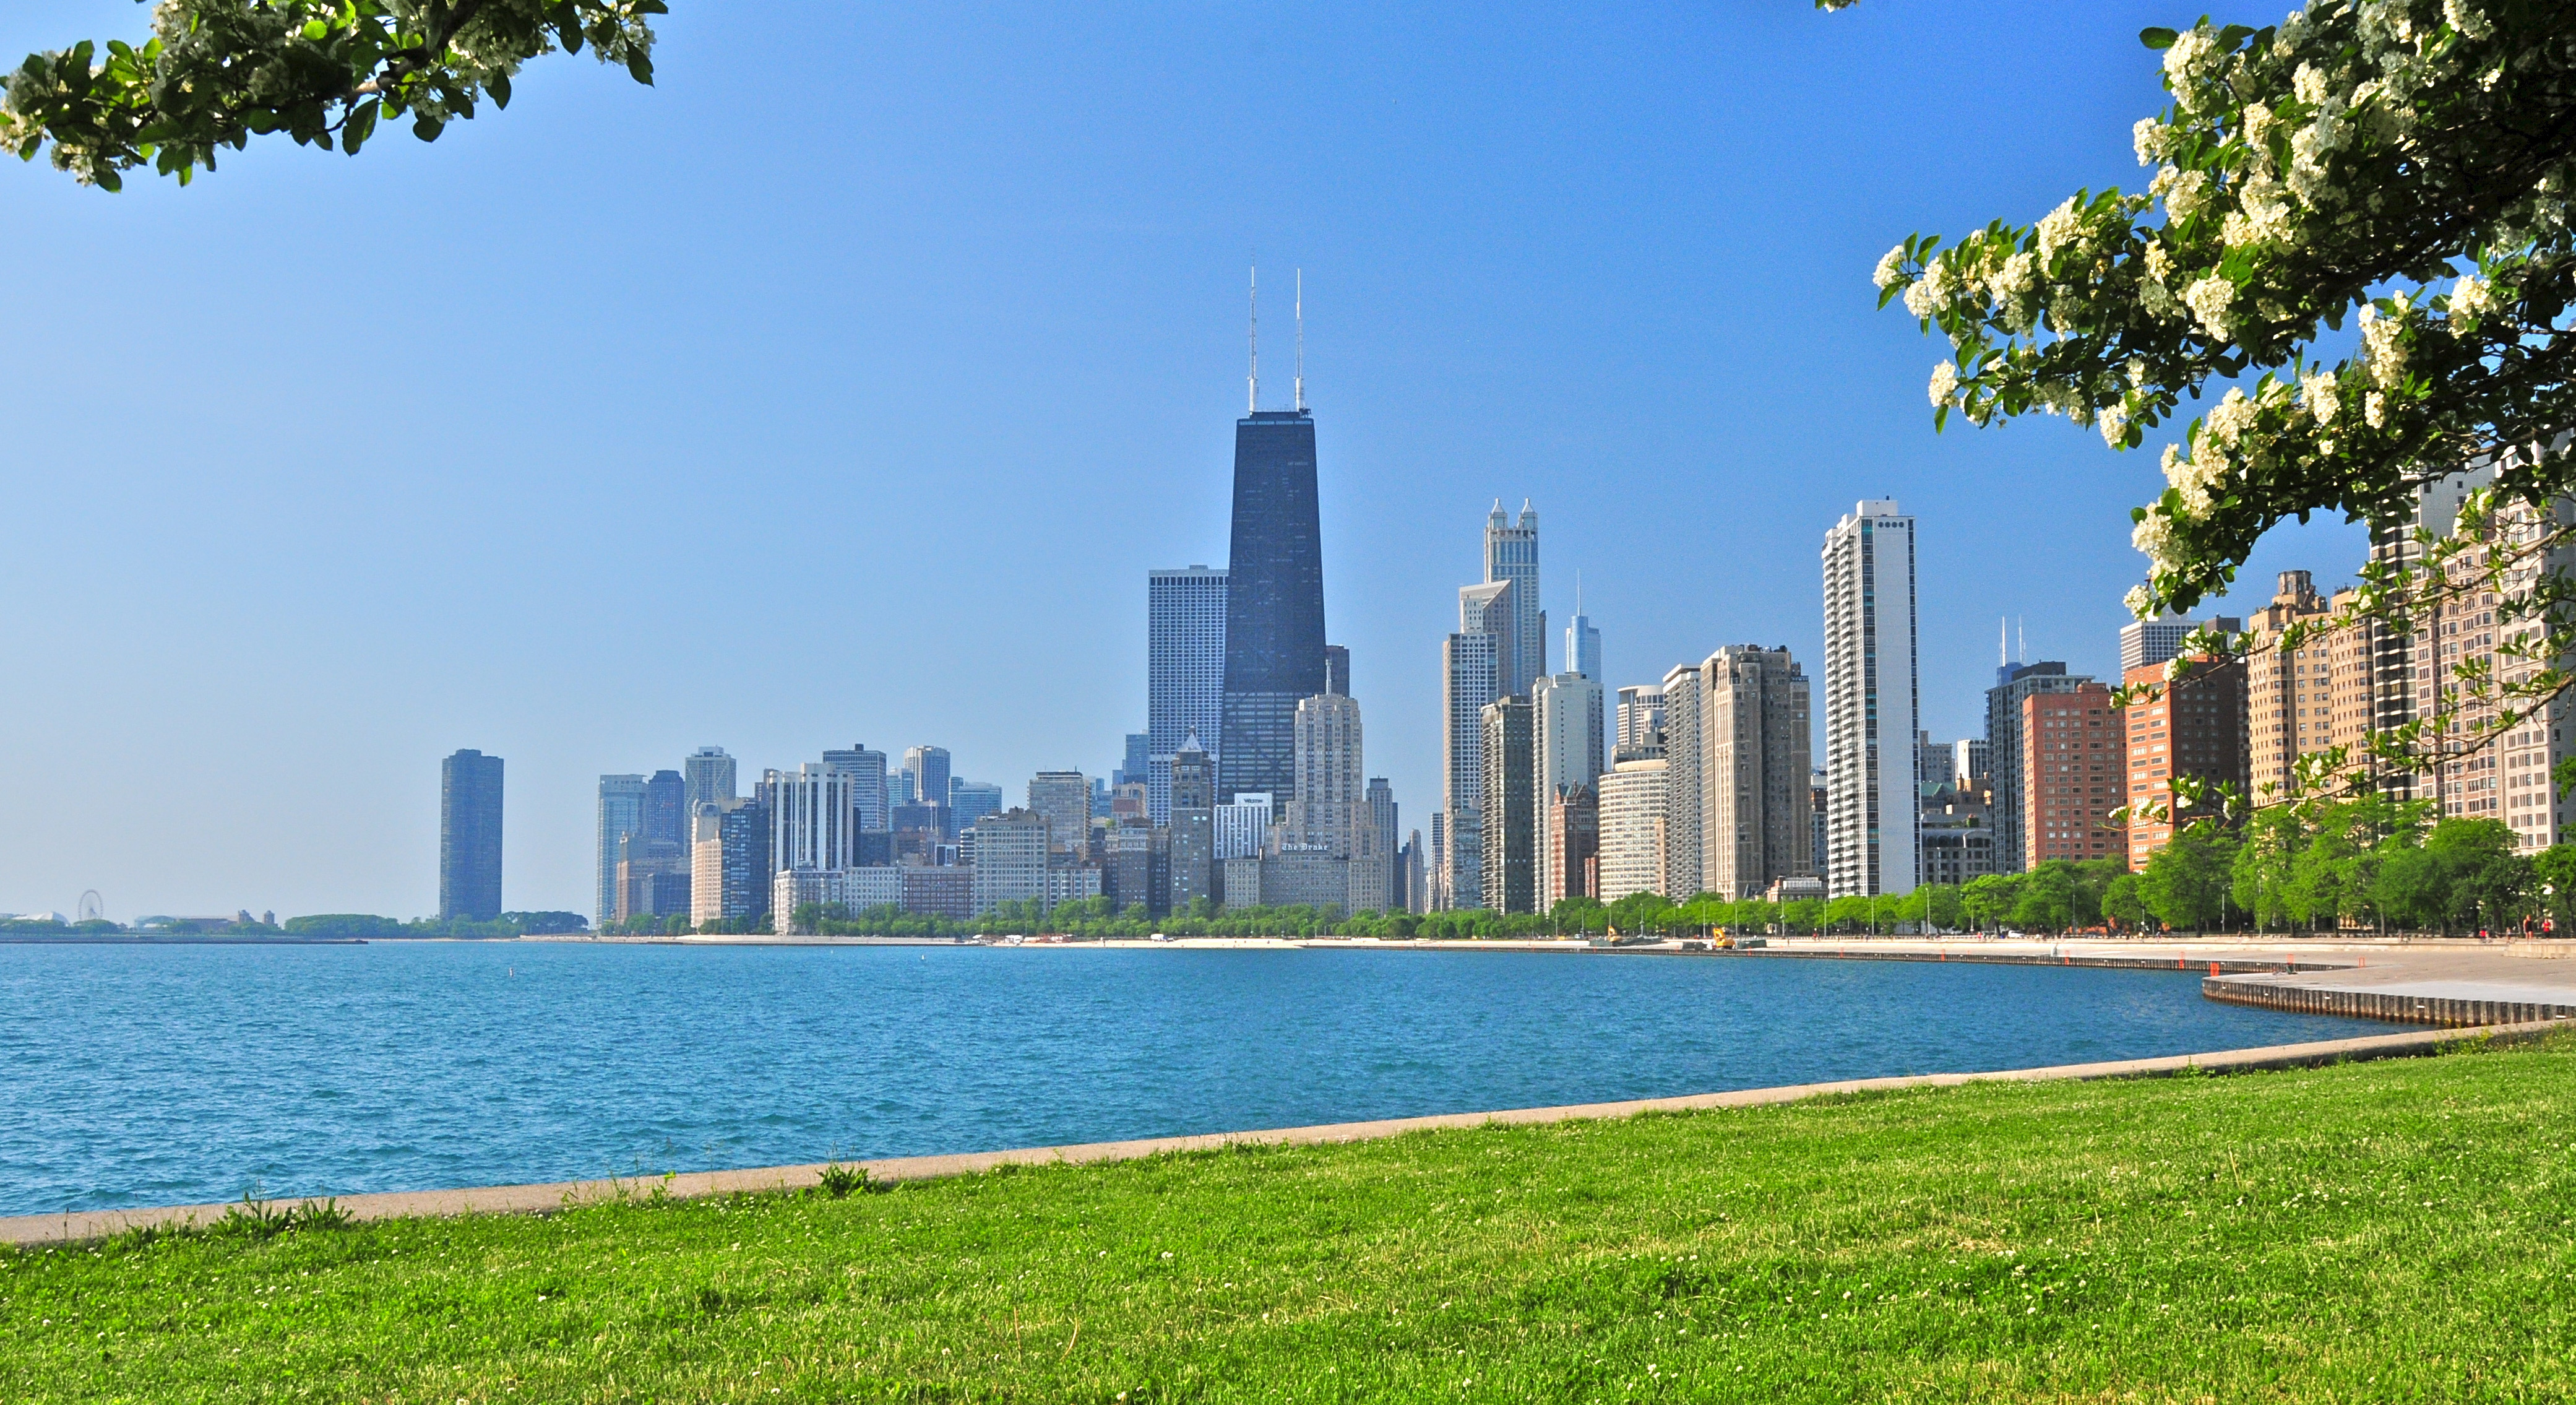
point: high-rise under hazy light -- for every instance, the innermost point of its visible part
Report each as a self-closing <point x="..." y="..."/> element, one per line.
<point x="707" y="774"/>
<point x="1582" y="643"/>
<point x="1872" y="707"/>
<point x="870" y="804"/>
<point x="621" y="815"/>
<point x="469" y="836"/>
<point x="1511" y="554"/>
<point x="1184" y="673"/>
<point x="929" y="768"/>
<point x="1471" y="669"/>
<point x="1274" y="603"/>
<point x="666" y="808"/>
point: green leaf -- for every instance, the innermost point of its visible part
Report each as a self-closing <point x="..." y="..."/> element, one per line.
<point x="360" y="126"/>
<point x="2232" y="36"/>
<point x="641" y="65"/>
<point x="426" y="127"/>
<point x="499" y="87"/>
<point x="316" y="29"/>
<point x="2156" y="36"/>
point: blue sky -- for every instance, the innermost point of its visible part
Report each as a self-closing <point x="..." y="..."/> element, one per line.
<point x="844" y="386"/>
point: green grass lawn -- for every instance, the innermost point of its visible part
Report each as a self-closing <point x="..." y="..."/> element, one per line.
<point x="2375" y="1232"/>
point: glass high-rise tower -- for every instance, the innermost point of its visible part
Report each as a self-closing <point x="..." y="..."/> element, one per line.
<point x="469" y="836"/>
<point x="1274" y="603"/>
<point x="1185" y="675"/>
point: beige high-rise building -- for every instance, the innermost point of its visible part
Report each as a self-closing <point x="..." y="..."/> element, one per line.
<point x="1682" y="804"/>
<point x="1753" y="753"/>
<point x="1566" y="733"/>
<point x="1632" y="828"/>
<point x="1331" y="774"/>
<point x="1737" y="803"/>
<point x="2503" y="776"/>
<point x="1010" y="858"/>
<point x="2302" y="701"/>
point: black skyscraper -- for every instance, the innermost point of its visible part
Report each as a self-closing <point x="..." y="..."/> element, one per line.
<point x="1274" y="604"/>
<point x="469" y="836"/>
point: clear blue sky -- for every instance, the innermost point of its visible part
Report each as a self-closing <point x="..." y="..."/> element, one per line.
<point x="844" y="386"/>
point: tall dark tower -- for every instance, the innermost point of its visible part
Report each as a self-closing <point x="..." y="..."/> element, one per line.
<point x="1274" y="603"/>
<point x="469" y="836"/>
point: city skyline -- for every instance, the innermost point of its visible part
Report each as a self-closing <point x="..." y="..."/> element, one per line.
<point x="871" y="324"/>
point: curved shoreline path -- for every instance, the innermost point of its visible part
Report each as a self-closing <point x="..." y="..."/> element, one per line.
<point x="2454" y="983"/>
<point x="81" y="1226"/>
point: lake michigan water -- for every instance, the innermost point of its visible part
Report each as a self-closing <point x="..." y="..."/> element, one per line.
<point x="134" y="1076"/>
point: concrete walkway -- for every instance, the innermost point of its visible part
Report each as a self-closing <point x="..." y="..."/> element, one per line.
<point x="2457" y="983"/>
<point x="76" y="1227"/>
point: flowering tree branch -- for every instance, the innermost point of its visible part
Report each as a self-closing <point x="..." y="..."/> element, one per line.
<point x="216" y="73"/>
<point x="2405" y="164"/>
<point x="2408" y="162"/>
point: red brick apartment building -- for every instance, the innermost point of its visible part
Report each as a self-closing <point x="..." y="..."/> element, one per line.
<point x="2072" y="764"/>
<point x="2194" y="727"/>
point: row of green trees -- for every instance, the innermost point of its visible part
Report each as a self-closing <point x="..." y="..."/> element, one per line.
<point x="368" y="924"/>
<point x="338" y="924"/>
<point x="2371" y="862"/>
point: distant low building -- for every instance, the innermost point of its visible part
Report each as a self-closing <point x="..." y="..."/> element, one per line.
<point x="856" y="889"/>
<point x="938" y="892"/>
<point x="1010" y="858"/>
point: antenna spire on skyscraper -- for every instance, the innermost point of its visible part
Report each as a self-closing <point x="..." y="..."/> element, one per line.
<point x="1252" y="383"/>
<point x="1301" y="341"/>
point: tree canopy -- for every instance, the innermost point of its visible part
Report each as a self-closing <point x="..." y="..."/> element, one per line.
<point x="216" y="73"/>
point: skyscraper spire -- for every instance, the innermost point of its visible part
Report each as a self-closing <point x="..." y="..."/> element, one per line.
<point x="1301" y="341"/>
<point x="1252" y="383"/>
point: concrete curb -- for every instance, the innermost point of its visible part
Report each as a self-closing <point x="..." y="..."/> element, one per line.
<point x="80" y="1226"/>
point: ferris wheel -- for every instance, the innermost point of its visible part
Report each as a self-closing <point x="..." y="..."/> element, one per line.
<point x="93" y="908"/>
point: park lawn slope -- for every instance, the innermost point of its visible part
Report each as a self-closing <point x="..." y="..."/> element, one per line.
<point x="2403" y="1230"/>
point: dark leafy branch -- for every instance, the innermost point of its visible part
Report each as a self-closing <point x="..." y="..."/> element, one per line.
<point x="216" y="73"/>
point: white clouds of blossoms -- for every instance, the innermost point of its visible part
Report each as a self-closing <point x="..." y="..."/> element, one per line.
<point x="2208" y="300"/>
<point x="2383" y="352"/>
<point x="1891" y="269"/>
<point x="2192" y="58"/>
<point x="2154" y="536"/>
<point x="2323" y="396"/>
<point x="2149" y="137"/>
<point x="2059" y="228"/>
<point x="2197" y="478"/>
<point x="2472" y="297"/>
<point x="1944" y="390"/>
<point x="1925" y="295"/>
